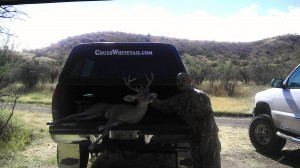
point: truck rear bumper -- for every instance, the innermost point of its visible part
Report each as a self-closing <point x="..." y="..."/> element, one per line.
<point x="75" y="134"/>
<point x="86" y="139"/>
<point x="71" y="138"/>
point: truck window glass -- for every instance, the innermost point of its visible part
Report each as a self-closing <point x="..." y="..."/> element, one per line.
<point x="111" y="69"/>
<point x="87" y="68"/>
<point x="294" y="80"/>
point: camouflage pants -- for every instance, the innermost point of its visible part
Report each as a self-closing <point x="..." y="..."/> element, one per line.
<point x="206" y="152"/>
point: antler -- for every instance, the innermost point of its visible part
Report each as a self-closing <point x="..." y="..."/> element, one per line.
<point x="127" y="83"/>
<point x="149" y="80"/>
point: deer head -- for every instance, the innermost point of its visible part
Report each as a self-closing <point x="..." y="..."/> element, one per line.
<point x="143" y="96"/>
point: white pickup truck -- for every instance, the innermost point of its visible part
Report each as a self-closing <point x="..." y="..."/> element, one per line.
<point x="276" y="115"/>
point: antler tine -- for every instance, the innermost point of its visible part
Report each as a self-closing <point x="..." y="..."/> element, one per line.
<point x="128" y="81"/>
<point x="149" y="80"/>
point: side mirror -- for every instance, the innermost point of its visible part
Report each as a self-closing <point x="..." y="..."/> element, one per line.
<point x="277" y="83"/>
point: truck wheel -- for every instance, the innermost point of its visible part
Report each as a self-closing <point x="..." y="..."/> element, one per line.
<point x="262" y="133"/>
<point x="72" y="155"/>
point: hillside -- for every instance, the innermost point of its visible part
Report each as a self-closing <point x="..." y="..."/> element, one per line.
<point x="285" y="48"/>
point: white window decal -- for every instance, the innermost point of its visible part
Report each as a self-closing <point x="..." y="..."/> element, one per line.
<point x="120" y="52"/>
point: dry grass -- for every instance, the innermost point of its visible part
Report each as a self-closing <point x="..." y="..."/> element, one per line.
<point x="41" y="152"/>
<point x="241" y="103"/>
<point x="41" y="95"/>
<point x="232" y="105"/>
<point x="41" y="98"/>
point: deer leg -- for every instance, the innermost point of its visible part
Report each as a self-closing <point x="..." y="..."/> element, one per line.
<point x="109" y="125"/>
<point x="93" y="145"/>
<point x="73" y="117"/>
<point x="106" y="129"/>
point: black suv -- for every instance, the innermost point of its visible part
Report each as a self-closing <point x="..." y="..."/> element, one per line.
<point x="94" y="73"/>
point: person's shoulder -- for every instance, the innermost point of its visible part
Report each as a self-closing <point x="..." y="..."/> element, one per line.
<point x="199" y="92"/>
<point x="202" y="95"/>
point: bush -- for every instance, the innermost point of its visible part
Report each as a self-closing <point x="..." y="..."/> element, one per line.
<point x="13" y="138"/>
<point x="213" y="90"/>
<point x="36" y="70"/>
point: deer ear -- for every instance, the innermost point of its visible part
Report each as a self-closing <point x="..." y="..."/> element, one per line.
<point x="154" y="95"/>
<point x="129" y="98"/>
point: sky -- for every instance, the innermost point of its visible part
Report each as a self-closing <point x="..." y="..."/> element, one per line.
<point x="212" y="20"/>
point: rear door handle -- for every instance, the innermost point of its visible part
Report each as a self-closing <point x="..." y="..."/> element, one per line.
<point x="90" y="95"/>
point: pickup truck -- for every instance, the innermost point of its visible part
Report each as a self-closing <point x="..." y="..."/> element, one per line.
<point x="277" y="115"/>
<point x="93" y="73"/>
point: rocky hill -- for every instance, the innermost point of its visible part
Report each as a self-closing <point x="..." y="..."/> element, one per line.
<point x="276" y="50"/>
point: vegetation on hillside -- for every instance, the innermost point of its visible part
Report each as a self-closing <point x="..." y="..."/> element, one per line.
<point x="266" y="51"/>
<point x="222" y="64"/>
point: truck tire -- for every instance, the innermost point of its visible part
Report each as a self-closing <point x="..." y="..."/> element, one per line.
<point x="262" y="133"/>
<point x="72" y="155"/>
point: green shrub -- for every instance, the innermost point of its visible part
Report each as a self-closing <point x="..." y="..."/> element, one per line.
<point x="13" y="138"/>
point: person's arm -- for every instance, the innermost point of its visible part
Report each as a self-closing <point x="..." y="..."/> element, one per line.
<point x="166" y="106"/>
<point x="201" y="117"/>
<point x="201" y="105"/>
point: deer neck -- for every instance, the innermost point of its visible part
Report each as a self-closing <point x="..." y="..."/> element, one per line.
<point x="141" y="108"/>
<point x="142" y="105"/>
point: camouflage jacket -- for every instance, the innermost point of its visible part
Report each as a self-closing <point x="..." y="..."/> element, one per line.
<point x="194" y="107"/>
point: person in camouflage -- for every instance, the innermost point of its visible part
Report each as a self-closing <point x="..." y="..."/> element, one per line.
<point x="194" y="107"/>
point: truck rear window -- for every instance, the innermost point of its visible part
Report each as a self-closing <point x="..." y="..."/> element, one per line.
<point x="111" y="65"/>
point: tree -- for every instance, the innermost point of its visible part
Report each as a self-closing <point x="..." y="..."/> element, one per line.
<point x="28" y="74"/>
<point x="9" y="91"/>
<point x="228" y="78"/>
<point x="8" y="12"/>
<point x="196" y="68"/>
<point x="244" y="75"/>
<point x="37" y="70"/>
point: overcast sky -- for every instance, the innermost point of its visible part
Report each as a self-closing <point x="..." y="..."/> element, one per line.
<point x="219" y="20"/>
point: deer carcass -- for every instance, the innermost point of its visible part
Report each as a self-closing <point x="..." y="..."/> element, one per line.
<point x="119" y="113"/>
